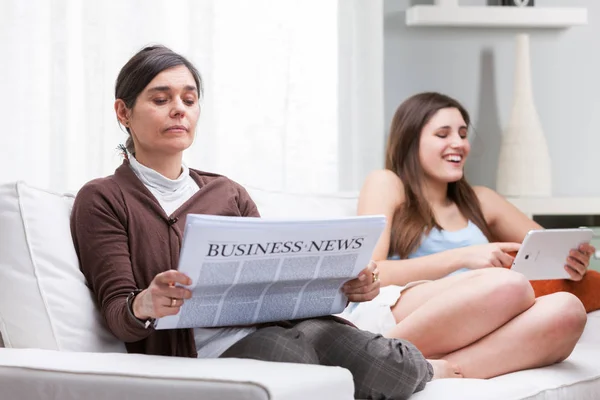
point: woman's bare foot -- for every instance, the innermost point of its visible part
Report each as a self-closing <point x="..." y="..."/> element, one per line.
<point x="443" y="369"/>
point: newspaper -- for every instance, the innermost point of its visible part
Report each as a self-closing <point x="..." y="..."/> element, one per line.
<point x="251" y="270"/>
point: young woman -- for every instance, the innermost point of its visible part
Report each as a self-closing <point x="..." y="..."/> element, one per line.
<point x="441" y="255"/>
<point x="127" y="229"/>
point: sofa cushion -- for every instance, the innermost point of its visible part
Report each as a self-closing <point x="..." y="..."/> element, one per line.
<point x="45" y="374"/>
<point x="44" y="300"/>
<point x="274" y="204"/>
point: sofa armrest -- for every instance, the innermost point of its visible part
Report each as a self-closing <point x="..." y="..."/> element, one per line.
<point x="48" y="374"/>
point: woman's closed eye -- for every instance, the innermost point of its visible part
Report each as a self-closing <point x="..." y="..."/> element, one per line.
<point x="161" y="101"/>
<point x="462" y="135"/>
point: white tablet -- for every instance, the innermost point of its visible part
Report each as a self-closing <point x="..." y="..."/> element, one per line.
<point x="543" y="253"/>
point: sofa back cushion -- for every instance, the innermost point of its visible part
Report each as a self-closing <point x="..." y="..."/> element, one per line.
<point x="44" y="300"/>
<point x="273" y="204"/>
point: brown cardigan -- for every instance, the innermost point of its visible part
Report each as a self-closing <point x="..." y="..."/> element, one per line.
<point x="123" y="238"/>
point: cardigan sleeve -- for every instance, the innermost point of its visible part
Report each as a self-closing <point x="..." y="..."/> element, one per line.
<point x="245" y="203"/>
<point x="99" y="230"/>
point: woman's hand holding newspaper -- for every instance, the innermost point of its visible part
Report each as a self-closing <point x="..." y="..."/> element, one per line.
<point x="365" y="287"/>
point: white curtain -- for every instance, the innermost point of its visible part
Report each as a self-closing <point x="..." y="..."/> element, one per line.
<point x="293" y="88"/>
<point x="361" y="129"/>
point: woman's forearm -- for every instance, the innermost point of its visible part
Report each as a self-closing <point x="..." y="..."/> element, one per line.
<point x="435" y="266"/>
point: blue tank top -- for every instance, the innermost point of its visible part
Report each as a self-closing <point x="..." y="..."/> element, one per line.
<point x="440" y="240"/>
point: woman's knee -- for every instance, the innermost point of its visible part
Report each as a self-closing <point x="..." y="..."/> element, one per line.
<point x="565" y="322"/>
<point x="510" y="289"/>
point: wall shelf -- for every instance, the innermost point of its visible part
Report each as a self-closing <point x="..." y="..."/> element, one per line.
<point x="557" y="205"/>
<point x="495" y="16"/>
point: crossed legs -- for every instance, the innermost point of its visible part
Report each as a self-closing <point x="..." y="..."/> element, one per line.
<point x="488" y="322"/>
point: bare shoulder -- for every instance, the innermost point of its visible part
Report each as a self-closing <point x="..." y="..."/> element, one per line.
<point x="383" y="181"/>
<point x="491" y="202"/>
<point x="507" y="222"/>
<point x="384" y="178"/>
<point x="489" y="198"/>
<point x="485" y="195"/>
<point x="383" y="190"/>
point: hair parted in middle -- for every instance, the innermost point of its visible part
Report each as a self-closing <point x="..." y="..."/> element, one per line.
<point x="414" y="217"/>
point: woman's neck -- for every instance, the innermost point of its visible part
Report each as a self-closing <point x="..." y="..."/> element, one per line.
<point x="436" y="193"/>
<point x="169" y="167"/>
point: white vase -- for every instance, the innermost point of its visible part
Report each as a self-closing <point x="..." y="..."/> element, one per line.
<point x="524" y="161"/>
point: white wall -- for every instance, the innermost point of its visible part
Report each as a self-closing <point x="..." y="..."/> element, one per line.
<point x="293" y="88"/>
<point x="476" y="67"/>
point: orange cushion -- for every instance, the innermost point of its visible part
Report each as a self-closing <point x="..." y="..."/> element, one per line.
<point x="587" y="289"/>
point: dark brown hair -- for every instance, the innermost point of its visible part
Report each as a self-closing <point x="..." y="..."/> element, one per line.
<point x="141" y="69"/>
<point x="415" y="217"/>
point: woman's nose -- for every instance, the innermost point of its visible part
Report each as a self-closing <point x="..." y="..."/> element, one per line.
<point x="456" y="144"/>
<point x="178" y="109"/>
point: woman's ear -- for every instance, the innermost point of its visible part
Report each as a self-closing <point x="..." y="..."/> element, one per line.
<point x="122" y="112"/>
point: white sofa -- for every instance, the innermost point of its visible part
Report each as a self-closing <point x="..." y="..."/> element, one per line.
<point x="56" y="346"/>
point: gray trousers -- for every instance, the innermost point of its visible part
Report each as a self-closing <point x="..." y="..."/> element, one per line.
<point x="382" y="368"/>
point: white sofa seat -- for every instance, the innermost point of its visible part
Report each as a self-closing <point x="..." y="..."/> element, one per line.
<point x="50" y="374"/>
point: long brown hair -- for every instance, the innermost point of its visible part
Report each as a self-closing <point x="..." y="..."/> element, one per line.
<point x="415" y="217"/>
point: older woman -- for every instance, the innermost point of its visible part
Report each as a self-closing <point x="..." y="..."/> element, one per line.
<point x="128" y="227"/>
